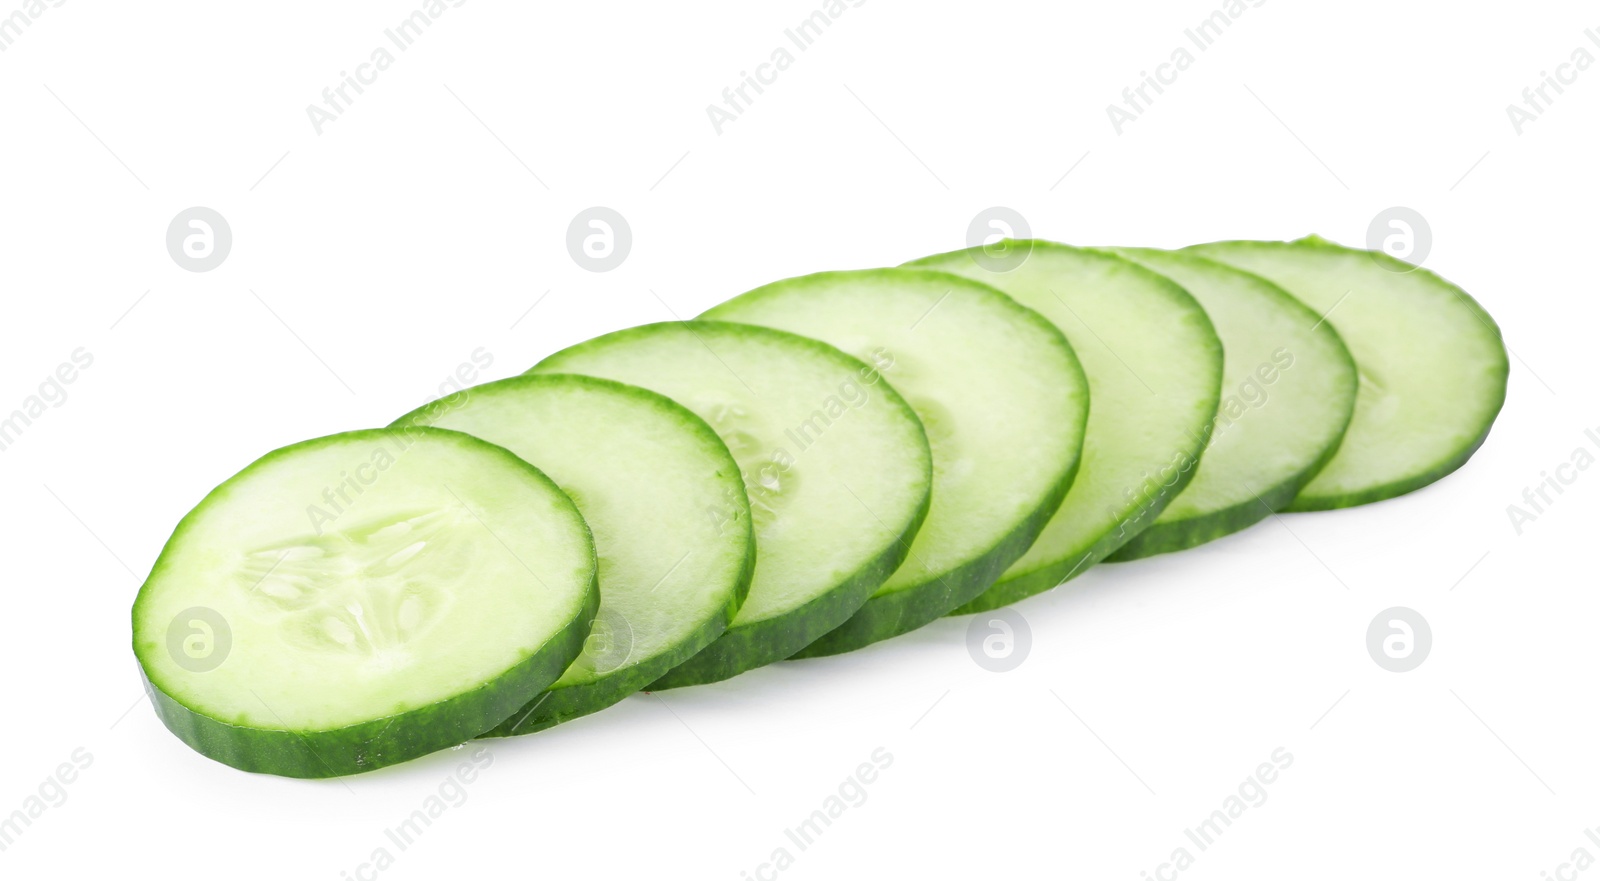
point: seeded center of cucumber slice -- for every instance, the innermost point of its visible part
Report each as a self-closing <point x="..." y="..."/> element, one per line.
<point x="769" y="488"/>
<point x="366" y="592"/>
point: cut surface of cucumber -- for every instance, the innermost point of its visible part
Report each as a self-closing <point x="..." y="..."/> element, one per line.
<point x="1288" y="389"/>
<point x="1431" y="365"/>
<point x="1003" y="401"/>
<point x="835" y="463"/>
<point x="1154" y="366"/>
<point x="642" y="471"/>
<point x="361" y="599"/>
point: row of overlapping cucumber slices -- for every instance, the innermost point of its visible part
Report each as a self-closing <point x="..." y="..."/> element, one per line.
<point x="813" y="466"/>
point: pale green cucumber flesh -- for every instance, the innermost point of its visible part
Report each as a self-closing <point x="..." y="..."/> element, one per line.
<point x="835" y="462"/>
<point x="642" y="471"/>
<point x="1002" y="398"/>
<point x="1288" y="389"/>
<point x="1432" y="366"/>
<point x="1154" y="366"/>
<point x="361" y="599"/>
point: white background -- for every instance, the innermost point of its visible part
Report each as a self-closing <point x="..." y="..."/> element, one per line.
<point x="372" y="259"/>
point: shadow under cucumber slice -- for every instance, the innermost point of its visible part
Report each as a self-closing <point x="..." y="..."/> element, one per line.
<point x="1003" y="401"/>
<point x="1154" y="366"/>
<point x="642" y="471"/>
<point x="1288" y="389"/>
<point x="835" y="463"/>
<point x="357" y="600"/>
<point x="1432" y="367"/>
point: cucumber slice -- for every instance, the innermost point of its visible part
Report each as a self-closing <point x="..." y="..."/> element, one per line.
<point x="642" y="471"/>
<point x="1431" y="364"/>
<point x="835" y="462"/>
<point x="357" y="600"/>
<point x="1003" y="400"/>
<point x="1288" y="388"/>
<point x="1154" y="366"/>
